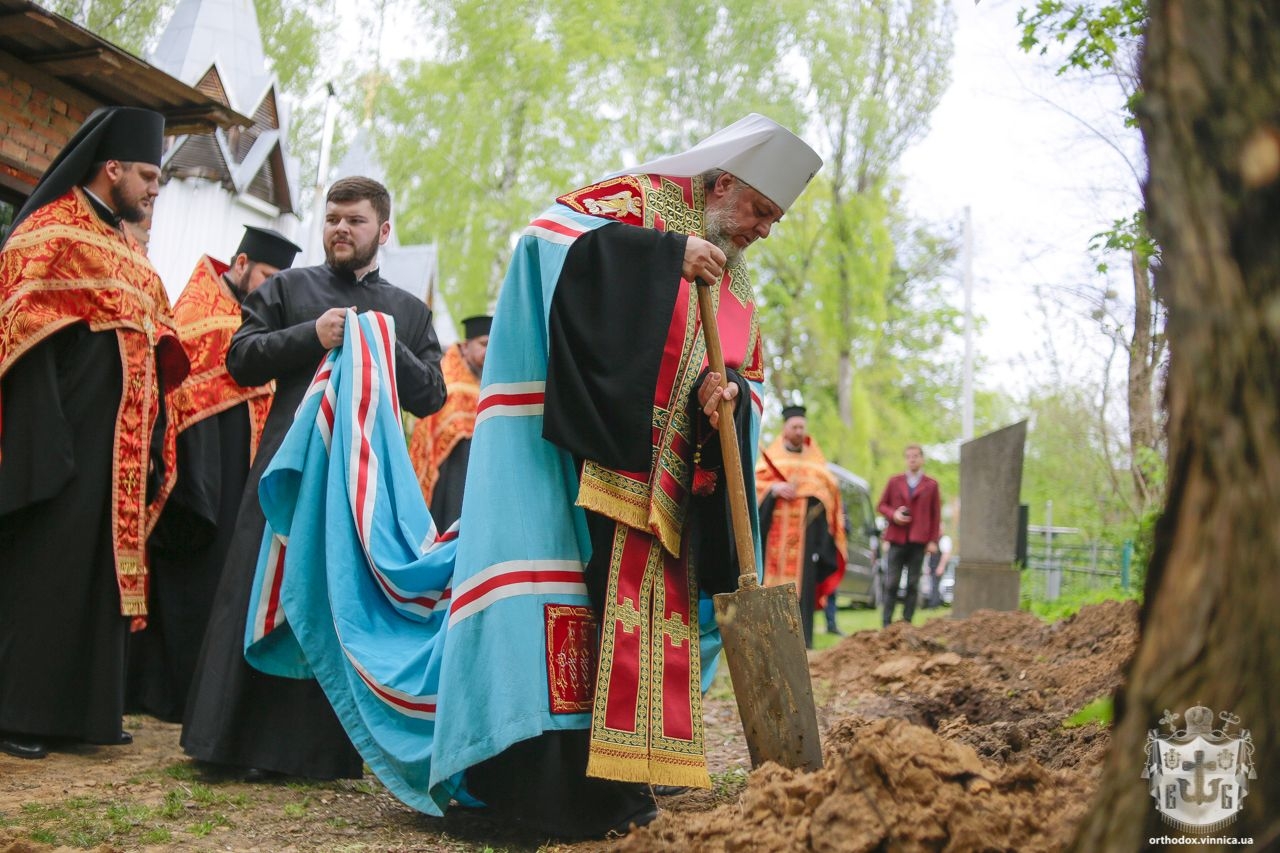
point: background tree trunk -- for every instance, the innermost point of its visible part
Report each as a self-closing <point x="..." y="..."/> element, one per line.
<point x="1212" y="81"/>
<point x="1144" y="359"/>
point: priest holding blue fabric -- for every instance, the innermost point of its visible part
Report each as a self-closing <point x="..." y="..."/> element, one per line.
<point x="237" y="716"/>
<point x="596" y="527"/>
<point x="88" y="350"/>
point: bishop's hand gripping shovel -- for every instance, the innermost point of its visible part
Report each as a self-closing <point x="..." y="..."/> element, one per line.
<point x="760" y="625"/>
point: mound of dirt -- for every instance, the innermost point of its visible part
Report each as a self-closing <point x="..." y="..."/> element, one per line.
<point x="886" y="781"/>
<point x="948" y="736"/>
<point x="1002" y="683"/>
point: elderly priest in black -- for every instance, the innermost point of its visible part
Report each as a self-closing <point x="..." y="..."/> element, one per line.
<point x="236" y="715"/>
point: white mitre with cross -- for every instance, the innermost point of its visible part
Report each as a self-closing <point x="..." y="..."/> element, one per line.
<point x="755" y="149"/>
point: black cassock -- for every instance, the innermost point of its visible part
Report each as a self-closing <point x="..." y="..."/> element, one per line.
<point x="236" y="715"/>
<point x="62" y="638"/>
<point x="446" y="497"/>
<point x="188" y="549"/>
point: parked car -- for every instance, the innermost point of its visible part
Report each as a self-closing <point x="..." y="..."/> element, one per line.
<point x="861" y="582"/>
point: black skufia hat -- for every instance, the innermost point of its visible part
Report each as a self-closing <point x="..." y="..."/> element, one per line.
<point x="793" y="411"/>
<point x="128" y="134"/>
<point x="474" y="327"/>
<point x="268" y="247"/>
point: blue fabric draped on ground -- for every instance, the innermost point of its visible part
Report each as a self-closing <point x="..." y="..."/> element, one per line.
<point x="353" y="585"/>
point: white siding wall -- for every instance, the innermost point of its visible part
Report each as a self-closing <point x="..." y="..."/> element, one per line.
<point x="195" y="217"/>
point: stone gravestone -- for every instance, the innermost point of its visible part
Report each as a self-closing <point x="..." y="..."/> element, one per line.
<point x="990" y="483"/>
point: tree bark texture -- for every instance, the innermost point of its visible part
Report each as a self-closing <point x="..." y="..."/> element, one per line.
<point x="1209" y="634"/>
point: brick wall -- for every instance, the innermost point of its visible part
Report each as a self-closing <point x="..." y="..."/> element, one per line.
<point x="38" y="114"/>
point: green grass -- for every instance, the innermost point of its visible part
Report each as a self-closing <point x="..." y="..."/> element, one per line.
<point x="206" y="796"/>
<point x="1068" y="605"/>
<point x="852" y="620"/>
<point x="87" y="822"/>
<point x="1097" y="711"/>
<point x="204" y="827"/>
<point x="183" y="771"/>
<point x="729" y="783"/>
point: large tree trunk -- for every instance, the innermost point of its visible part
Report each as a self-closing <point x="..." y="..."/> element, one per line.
<point x="1209" y="623"/>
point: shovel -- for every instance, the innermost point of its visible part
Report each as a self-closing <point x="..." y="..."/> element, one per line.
<point x="760" y="625"/>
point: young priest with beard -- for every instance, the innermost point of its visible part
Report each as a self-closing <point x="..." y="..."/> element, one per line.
<point x="236" y="715"/>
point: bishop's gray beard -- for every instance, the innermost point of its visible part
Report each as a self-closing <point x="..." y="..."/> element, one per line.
<point x="719" y="224"/>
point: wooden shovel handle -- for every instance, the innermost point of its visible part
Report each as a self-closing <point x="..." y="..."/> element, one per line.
<point x="734" y="482"/>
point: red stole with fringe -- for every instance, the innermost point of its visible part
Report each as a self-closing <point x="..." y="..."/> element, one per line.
<point x="646" y="723"/>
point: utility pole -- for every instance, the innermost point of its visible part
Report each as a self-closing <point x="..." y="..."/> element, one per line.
<point x="315" y="240"/>
<point x="967" y="410"/>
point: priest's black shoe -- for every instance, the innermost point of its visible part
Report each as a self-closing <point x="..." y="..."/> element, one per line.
<point x="23" y="747"/>
<point x="669" y="790"/>
<point x="641" y="818"/>
<point x="125" y="739"/>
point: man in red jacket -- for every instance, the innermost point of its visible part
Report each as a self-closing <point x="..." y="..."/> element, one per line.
<point x="911" y="504"/>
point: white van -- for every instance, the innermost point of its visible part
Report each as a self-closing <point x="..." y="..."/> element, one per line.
<point x="862" y="541"/>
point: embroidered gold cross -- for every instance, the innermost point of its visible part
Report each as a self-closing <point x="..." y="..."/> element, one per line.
<point x="675" y="628"/>
<point x="628" y="614"/>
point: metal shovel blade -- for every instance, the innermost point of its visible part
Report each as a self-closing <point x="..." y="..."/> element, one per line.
<point x="770" y="670"/>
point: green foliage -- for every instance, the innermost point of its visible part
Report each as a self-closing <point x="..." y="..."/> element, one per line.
<point x="1067" y="462"/>
<point x="729" y="784"/>
<point x="524" y="102"/>
<point x="1070" y="604"/>
<point x="1157" y="470"/>
<point x="131" y="24"/>
<point x="1099" y="711"/>
<point x="1097" y="33"/>
<point x="855" y="295"/>
<point x="1106" y="37"/>
<point x="294" y="35"/>
<point x="1126" y="235"/>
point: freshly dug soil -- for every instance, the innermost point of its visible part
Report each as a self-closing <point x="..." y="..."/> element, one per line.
<point x="948" y="737"/>
<point x="944" y="737"/>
